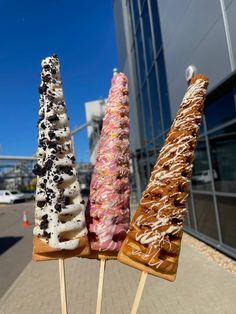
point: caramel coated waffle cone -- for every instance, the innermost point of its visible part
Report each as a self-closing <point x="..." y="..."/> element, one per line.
<point x="153" y="241"/>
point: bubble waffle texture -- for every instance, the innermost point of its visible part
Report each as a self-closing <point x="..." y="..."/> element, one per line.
<point x="108" y="211"/>
<point x="154" y="237"/>
<point x="60" y="228"/>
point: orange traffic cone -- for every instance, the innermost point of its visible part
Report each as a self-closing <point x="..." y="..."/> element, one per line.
<point x="25" y="222"/>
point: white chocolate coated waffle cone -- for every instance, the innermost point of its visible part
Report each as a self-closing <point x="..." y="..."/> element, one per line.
<point x="59" y="212"/>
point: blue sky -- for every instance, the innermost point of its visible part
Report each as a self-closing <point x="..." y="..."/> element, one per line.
<point x="82" y="34"/>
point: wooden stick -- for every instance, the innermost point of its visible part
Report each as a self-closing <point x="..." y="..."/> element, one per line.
<point x="62" y="286"/>
<point x="100" y="286"/>
<point x="139" y="292"/>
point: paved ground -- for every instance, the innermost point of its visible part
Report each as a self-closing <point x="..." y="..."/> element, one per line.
<point x="15" y="242"/>
<point x="202" y="286"/>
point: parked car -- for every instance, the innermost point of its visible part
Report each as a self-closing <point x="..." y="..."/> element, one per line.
<point x="10" y="197"/>
<point x="29" y="195"/>
<point x="204" y="176"/>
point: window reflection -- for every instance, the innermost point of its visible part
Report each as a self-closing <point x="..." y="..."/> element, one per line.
<point x="201" y="178"/>
<point x="186" y="220"/>
<point x="142" y="2"/>
<point x="156" y="25"/>
<point x="139" y="53"/>
<point x="155" y="106"/>
<point x="147" y="115"/>
<point x="134" y="63"/>
<point x="201" y="130"/>
<point x="187" y="215"/>
<point x="163" y="90"/>
<point x="143" y="169"/>
<point x="152" y="157"/>
<point x="223" y="158"/>
<point x="205" y="214"/>
<point x="135" y="15"/>
<point x="159" y="141"/>
<point x="227" y="212"/>
<point x="140" y="119"/>
<point x="190" y="212"/>
<point x="221" y="110"/>
<point x="147" y="36"/>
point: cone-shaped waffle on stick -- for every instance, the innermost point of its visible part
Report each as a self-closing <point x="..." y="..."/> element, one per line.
<point x="60" y="229"/>
<point x="108" y="210"/>
<point x="153" y="241"/>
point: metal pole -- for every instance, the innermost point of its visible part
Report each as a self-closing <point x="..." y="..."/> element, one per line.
<point x="73" y="144"/>
<point x="212" y="182"/>
<point x="18" y="157"/>
<point x="85" y="125"/>
<point x="227" y="34"/>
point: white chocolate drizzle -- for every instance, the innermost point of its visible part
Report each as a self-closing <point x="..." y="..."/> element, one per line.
<point x="59" y="210"/>
<point x="163" y="205"/>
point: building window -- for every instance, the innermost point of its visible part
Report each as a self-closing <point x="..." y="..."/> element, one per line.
<point x="155" y="105"/>
<point x="202" y="176"/>
<point x="223" y="158"/>
<point x="152" y="158"/>
<point x="142" y="3"/>
<point x="163" y="90"/>
<point x="159" y="142"/>
<point x="156" y="25"/>
<point x="143" y="169"/>
<point x="201" y="130"/>
<point x="221" y="110"/>
<point x="147" y="36"/>
<point x="135" y="14"/>
<point x="147" y="114"/>
<point x="189" y="213"/>
<point x="140" y="118"/>
<point x="140" y="54"/>
<point x="205" y="214"/>
<point x="227" y="215"/>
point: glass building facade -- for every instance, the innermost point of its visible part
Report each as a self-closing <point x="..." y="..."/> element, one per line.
<point x="212" y="210"/>
<point x="211" y="204"/>
<point x="151" y="95"/>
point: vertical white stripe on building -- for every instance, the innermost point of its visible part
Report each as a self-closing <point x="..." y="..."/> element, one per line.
<point x="227" y="33"/>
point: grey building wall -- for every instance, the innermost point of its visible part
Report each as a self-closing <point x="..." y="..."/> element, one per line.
<point x="193" y="32"/>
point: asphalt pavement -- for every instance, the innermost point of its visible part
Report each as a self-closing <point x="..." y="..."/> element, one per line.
<point x="15" y="242"/>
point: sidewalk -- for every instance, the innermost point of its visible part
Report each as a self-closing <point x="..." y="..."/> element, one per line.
<point x="202" y="286"/>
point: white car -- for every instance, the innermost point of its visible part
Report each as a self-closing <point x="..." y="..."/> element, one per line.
<point x="204" y="176"/>
<point x="29" y="195"/>
<point x="10" y="197"/>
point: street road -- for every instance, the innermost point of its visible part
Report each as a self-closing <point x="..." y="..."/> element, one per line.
<point x="15" y="242"/>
